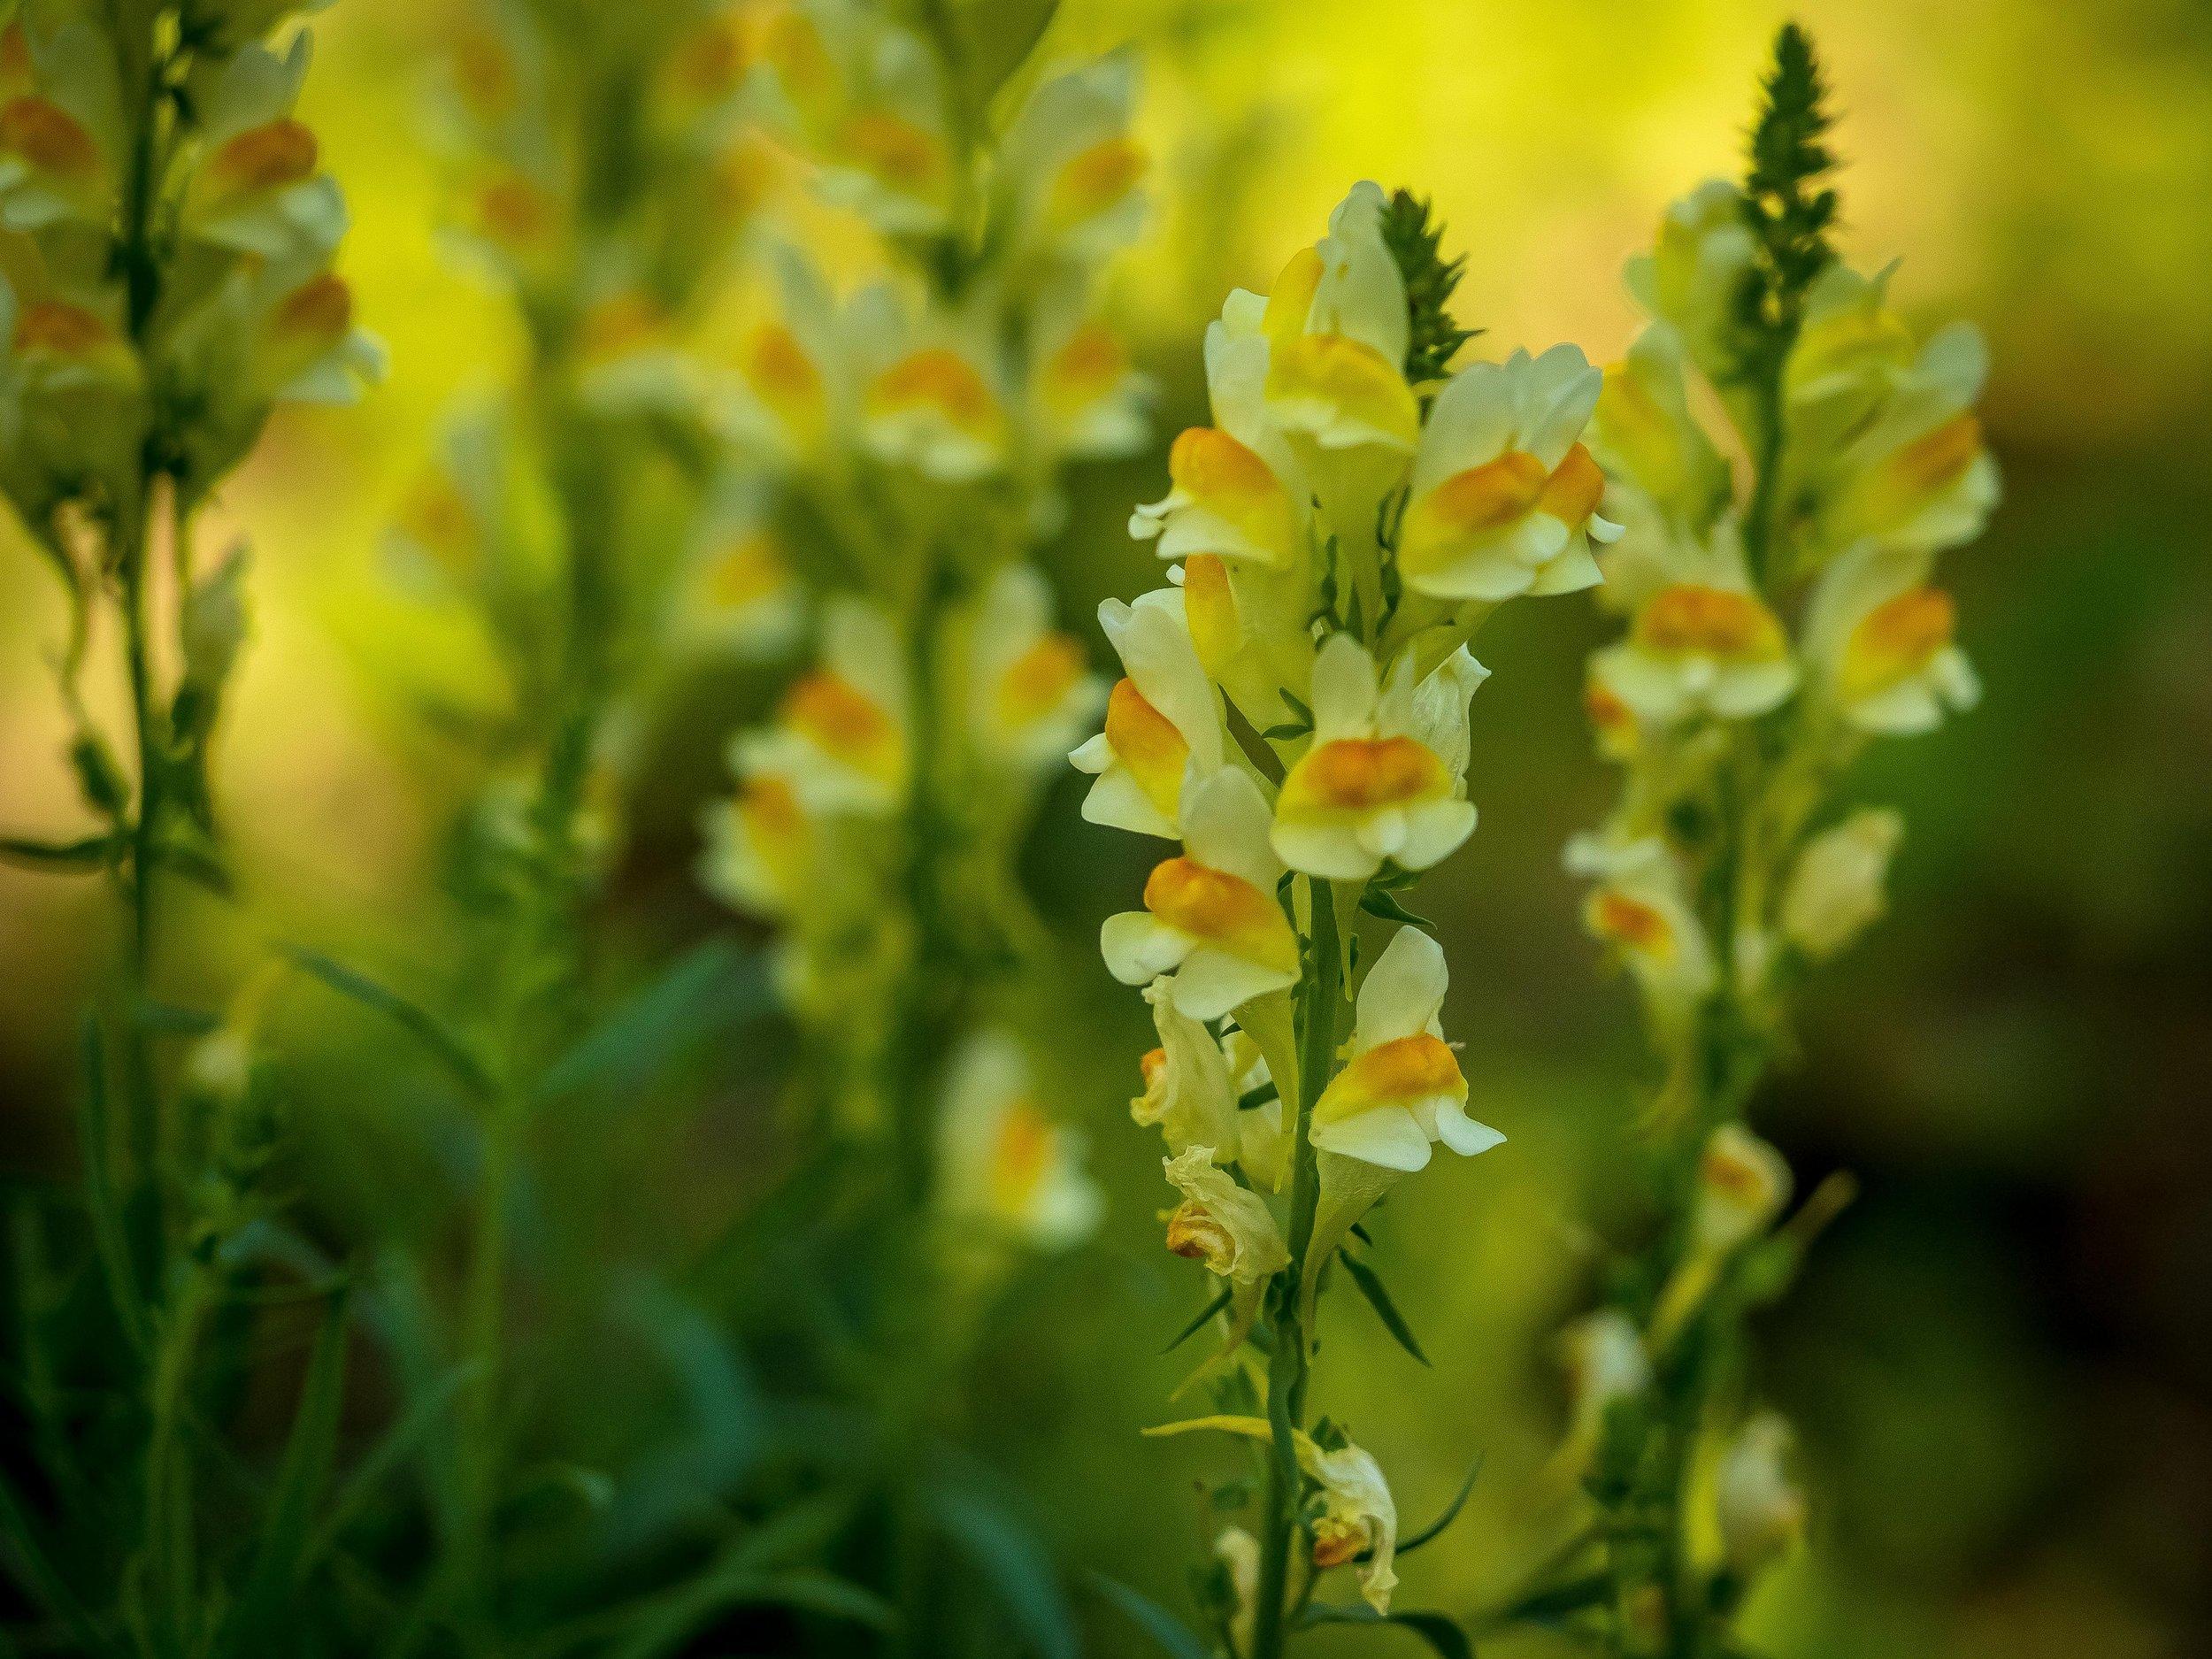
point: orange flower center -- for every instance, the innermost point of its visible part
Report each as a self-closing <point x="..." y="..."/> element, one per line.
<point x="320" y="308"/>
<point x="1690" y="619"/>
<point x="1095" y="179"/>
<point x="842" y="719"/>
<point x="1147" y="742"/>
<point x="1899" y="637"/>
<point x="265" y="157"/>
<point x="1223" y="909"/>
<point x="1631" y="924"/>
<point x="69" y="331"/>
<point x="1572" y="493"/>
<point x="1038" y="681"/>
<point x="1359" y="774"/>
<point x="893" y="151"/>
<point x="47" y="136"/>
<point x="936" y="378"/>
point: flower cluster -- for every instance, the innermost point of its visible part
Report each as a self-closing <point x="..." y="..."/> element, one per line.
<point x="1780" y="644"/>
<point x="126" y="169"/>
<point x="1782" y="614"/>
<point x="609" y="166"/>
<point x="908" y="430"/>
<point x="1295" y="713"/>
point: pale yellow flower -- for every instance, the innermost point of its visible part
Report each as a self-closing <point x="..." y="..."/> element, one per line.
<point x="1400" y="1090"/>
<point x="1742" y="1184"/>
<point x="1211" y="917"/>
<point x="1761" y="1511"/>
<point x="1358" y="1515"/>
<point x="1162" y="722"/>
<point x="1641" y="909"/>
<point x="1030" y="689"/>
<point x="1369" y="788"/>
<point x="1884" y="644"/>
<point x="1189" y="1090"/>
<point x="1836" y="889"/>
<point x="1223" y="1225"/>
<point x="1697" y="649"/>
<point x="1002" y="1162"/>
<point x="1504" y="496"/>
<point x="839" y="741"/>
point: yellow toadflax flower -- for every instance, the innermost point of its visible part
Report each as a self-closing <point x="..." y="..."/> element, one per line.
<point x="1401" y="1090"/>
<point x="1358" y="1517"/>
<point x="1002" y="1162"/>
<point x="1835" y="889"/>
<point x="1210" y="917"/>
<point x="1700" y="650"/>
<point x="1370" y="788"/>
<point x="1189" y="1090"/>
<point x="1030" y="690"/>
<point x="1504" y="497"/>
<point x="1161" y="720"/>
<point x="839" y="740"/>
<point x="1884" y="645"/>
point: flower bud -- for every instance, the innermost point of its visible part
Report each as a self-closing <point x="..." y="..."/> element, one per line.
<point x="1606" y="1361"/>
<point x="1761" y="1512"/>
<point x="1837" y="888"/>
<point x="1742" y="1184"/>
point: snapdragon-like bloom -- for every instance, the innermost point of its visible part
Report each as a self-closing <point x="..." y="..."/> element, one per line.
<point x="1742" y="1184"/>
<point x="1836" y="889"/>
<point x="1357" y="1514"/>
<point x="1002" y="1162"/>
<point x="1401" y="1090"/>
<point x="1885" y="645"/>
<point x="839" y="740"/>
<point x="1228" y="1227"/>
<point x="1697" y="649"/>
<point x="1369" y="788"/>
<point x="1210" y="917"/>
<point x="1161" y="719"/>
<point x="1030" y="688"/>
<point x="1759" y="1511"/>
<point x="1504" y="498"/>
<point x="1188" y="1089"/>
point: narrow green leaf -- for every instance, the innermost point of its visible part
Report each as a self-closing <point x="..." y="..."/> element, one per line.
<point x="381" y="1461"/>
<point x="1378" y="1294"/>
<point x="439" y="1042"/>
<point x="1169" y="1633"/>
<point x="61" y="857"/>
<point x="1008" y="1554"/>
<point x="308" y="1455"/>
<point x="711" y="989"/>
<point x="1380" y="901"/>
<point x="1435" y="1529"/>
<point x="1220" y="1301"/>
<point x="1437" y="1630"/>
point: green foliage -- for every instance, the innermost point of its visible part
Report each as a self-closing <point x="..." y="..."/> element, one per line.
<point x="1378" y="1294"/>
<point x="1440" y="1631"/>
<point x="1417" y="243"/>
<point x="1786" y="206"/>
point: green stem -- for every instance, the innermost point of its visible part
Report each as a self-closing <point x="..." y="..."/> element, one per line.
<point x="168" y="1541"/>
<point x="1320" y="1001"/>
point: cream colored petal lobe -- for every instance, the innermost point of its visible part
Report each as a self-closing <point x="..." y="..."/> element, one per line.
<point x="1138" y="948"/>
<point x="1226" y="825"/>
<point x="1403" y="991"/>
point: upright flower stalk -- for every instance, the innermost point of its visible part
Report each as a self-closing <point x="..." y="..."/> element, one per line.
<point x="1295" y="715"/>
<point x="166" y="240"/>
<point x="606" y="165"/>
<point x="1782" y="616"/>
<point x="910" y="434"/>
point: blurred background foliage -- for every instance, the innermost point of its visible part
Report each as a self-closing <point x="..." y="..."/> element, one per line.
<point x="2000" y="1360"/>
